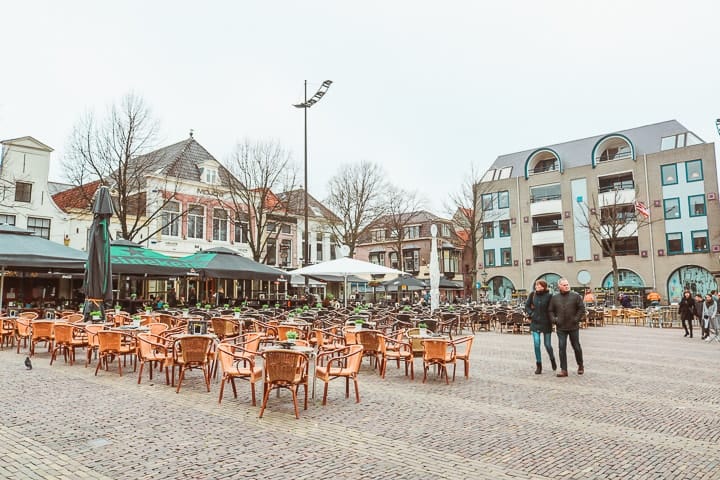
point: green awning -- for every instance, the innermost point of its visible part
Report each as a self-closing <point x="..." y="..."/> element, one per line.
<point x="131" y="258"/>
<point x="222" y="262"/>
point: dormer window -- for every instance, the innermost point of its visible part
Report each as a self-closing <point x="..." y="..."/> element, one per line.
<point x="541" y="161"/>
<point x="209" y="175"/>
<point x="613" y="148"/>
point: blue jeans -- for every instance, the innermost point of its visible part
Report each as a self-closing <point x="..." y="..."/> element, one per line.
<point x="547" y="337"/>
<point x="562" y="345"/>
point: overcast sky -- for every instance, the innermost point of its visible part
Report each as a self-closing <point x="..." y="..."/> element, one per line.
<point x="423" y="88"/>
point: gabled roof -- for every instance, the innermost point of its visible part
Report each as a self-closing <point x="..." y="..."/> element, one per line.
<point x="29" y="142"/>
<point x="295" y="202"/>
<point x="577" y="153"/>
<point x="77" y="197"/>
<point x="421" y="216"/>
<point x="57" y="187"/>
<point x="178" y="160"/>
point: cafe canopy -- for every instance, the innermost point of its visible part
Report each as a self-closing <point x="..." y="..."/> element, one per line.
<point x="131" y="258"/>
<point x="221" y="262"/>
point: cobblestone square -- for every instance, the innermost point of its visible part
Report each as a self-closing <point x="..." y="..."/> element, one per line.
<point x="648" y="406"/>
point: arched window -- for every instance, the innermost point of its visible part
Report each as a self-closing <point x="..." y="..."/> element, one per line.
<point x="500" y="289"/>
<point x="541" y="161"/>
<point x="626" y="279"/>
<point x="551" y="279"/>
<point x="693" y="278"/>
<point x="612" y="147"/>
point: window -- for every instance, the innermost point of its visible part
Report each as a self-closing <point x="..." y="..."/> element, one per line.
<point x="210" y="176"/>
<point x="319" y="247"/>
<point x="547" y="222"/>
<point x="285" y="253"/>
<point x="505" y="257"/>
<point x="271" y="252"/>
<point x="411" y="260"/>
<point x="23" y="192"/>
<point x="378" y="235"/>
<point x="615" y="152"/>
<point x="504" y="199"/>
<point x="697" y="205"/>
<point x="445" y="230"/>
<point x="700" y="241"/>
<point x="611" y="183"/>
<point x="487" y="201"/>
<point x="674" y="243"/>
<point x="488" y="230"/>
<point x="544" y="253"/>
<point x="377" y="258"/>
<point x="285" y="228"/>
<point x="545" y="192"/>
<point x="41" y="226"/>
<point x="270" y="227"/>
<point x="241" y="230"/>
<point x="617" y="215"/>
<point x="394" y="259"/>
<point x="504" y="228"/>
<point x="393" y="233"/>
<point x="489" y="256"/>
<point x="170" y="219"/>
<point x="196" y="221"/>
<point x="333" y="244"/>
<point x="623" y="246"/>
<point x="668" y="174"/>
<point x="680" y="140"/>
<point x="694" y="170"/>
<point x="546" y="165"/>
<point x="488" y="177"/>
<point x="504" y="173"/>
<point x="411" y="232"/>
<point x="449" y="260"/>
<point x="220" y="224"/>
<point x="8" y="219"/>
<point x="671" y="206"/>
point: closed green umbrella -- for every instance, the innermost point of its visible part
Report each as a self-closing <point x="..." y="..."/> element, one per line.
<point x="98" y="271"/>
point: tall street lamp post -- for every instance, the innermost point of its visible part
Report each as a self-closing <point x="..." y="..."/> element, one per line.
<point x="306" y="105"/>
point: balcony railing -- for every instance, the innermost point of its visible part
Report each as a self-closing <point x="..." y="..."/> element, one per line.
<point x="623" y="185"/>
<point x="546" y="227"/>
<point x="548" y="258"/>
<point x="543" y="198"/>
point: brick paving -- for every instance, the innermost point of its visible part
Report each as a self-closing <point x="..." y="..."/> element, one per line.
<point x="648" y="406"/>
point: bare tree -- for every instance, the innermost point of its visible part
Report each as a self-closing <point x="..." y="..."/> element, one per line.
<point x="402" y="208"/>
<point x="260" y="168"/>
<point x="465" y="209"/>
<point x="113" y="151"/>
<point x="356" y="197"/>
<point x="613" y="224"/>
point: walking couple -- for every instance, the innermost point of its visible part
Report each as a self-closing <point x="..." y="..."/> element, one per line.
<point x="564" y="310"/>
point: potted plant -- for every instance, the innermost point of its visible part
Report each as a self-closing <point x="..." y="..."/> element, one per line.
<point x="133" y="296"/>
<point x="358" y="324"/>
<point x="423" y="328"/>
<point x="305" y="308"/>
<point x="208" y="306"/>
<point x="96" y="315"/>
<point x="406" y="308"/>
<point x="148" y="309"/>
<point x="236" y="312"/>
<point x="198" y="305"/>
<point x="136" y="320"/>
<point x="265" y="306"/>
<point x="318" y="305"/>
<point x="166" y="306"/>
<point x="226" y="306"/>
<point x="118" y="308"/>
<point x="185" y="312"/>
<point x="328" y="298"/>
<point x="291" y="336"/>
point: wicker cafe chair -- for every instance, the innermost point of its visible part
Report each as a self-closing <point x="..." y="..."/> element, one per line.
<point x="343" y="363"/>
<point x="463" y="346"/>
<point x="284" y="369"/>
<point x="225" y="327"/>
<point x="283" y="330"/>
<point x="7" y="332"/>
<point x="23" y="332"/>
<point x="440" y="353"/>
<point x="68" y="337"/>
<point x="42" y="331"/>
<point x="191" y="352"/>
<point x="113" y="344"/>
<point x="153" y="350"/>
<point x="371" y="345"/>
<point x="396" y="349"/>
<point x="238" y="362"/>
<point x="92" y="341"/>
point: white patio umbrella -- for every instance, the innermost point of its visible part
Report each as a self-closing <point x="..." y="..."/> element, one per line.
<point x="434" y="271"/>
<point x="346" y="267"/>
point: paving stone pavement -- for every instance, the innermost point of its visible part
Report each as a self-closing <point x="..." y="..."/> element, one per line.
<point x="648" y="407"/>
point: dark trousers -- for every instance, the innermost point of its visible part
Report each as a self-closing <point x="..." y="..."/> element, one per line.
<point x="562" y="345"/>
<point x="688" y="326"/>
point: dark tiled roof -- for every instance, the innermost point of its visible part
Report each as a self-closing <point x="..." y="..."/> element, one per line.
<point x="295" y="201"/>
<point x="178" y="160"/>
<point x="577" y="153"/>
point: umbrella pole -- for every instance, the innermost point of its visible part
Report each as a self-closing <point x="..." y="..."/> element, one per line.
<point x="2" y="285"/>
<point x="345" y="295"/>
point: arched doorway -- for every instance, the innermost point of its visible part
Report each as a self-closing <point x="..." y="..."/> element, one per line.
<point x="626" y="279"/>
<point x="500" y="289"/>
<point x="551" y="279"/>
<point x="693" y="278"/>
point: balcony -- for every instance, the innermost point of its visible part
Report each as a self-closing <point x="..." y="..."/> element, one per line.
<point x="629" y="230"/>
<point x="545" y="205"/>
<point x="548" y="253"/>
<point x="616" y="197"/>
<point x="548" y="237"/>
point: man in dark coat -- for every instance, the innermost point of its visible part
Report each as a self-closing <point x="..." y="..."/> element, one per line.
<point x="566" y="311"/>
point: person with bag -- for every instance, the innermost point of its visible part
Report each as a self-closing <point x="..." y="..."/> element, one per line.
<point x="536" y="307"/>
<point x="686" y="308"/>
<point x="708" y="315"/>
<point x="566" y="310"/>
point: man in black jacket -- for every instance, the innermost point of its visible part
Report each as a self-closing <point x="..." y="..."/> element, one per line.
<point x="566" y="310"/>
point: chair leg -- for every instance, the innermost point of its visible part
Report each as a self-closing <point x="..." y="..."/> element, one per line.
<point x="252" y="392"/>
<point x="180" y="379"/>
<point x="140" y="370"/>
<point x="222" y="389"/>
<point x="357" y="392"/>
<point x="325" y="390"/>
<point x="295" y="405"/>
<point x="266" y="394"/>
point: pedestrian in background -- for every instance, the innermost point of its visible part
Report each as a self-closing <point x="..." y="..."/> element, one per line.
<point x="709" y="311"/>
<point x="536" y="307"/>
<point x="699" y="301"/>
<point x="566" y="310"/>
<point x="686" y="308"/>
